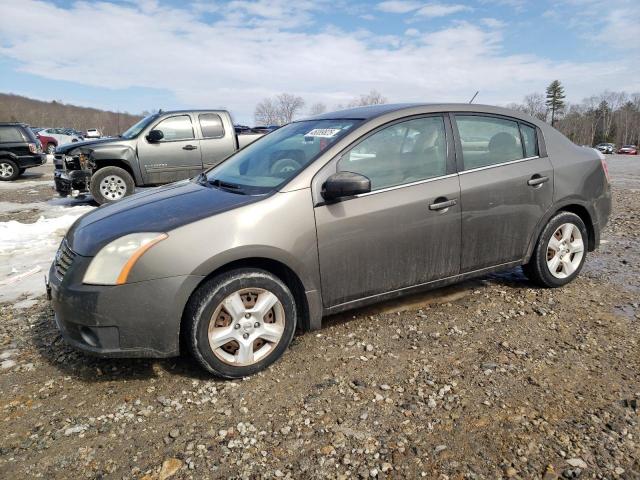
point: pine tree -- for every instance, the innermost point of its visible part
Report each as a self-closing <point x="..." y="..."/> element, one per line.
<point x="555" y="99"/>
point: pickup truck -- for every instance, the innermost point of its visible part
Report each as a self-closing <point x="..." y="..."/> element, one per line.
<point x="161" y="148"/>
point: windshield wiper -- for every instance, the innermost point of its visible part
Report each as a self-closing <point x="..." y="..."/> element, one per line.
<point x="226" y="186"/>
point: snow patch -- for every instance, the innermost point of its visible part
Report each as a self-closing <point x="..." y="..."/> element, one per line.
<point x="18" y="185"/>
<point x="27" y="249"/>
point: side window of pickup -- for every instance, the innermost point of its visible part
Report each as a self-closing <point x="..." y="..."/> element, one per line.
<point x="211" y="125"/>
<point x="176" y="128"/>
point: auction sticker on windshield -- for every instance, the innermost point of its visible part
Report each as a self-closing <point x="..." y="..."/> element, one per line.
<point x="323" y="132"/>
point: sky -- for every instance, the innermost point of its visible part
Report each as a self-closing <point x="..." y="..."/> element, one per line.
<point x="141" y="55"/>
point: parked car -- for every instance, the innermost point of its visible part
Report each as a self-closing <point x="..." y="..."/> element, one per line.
<point x="161" y="148"/>
<point x="49" y="144"/>
<point x="607" y="148"/>
<point x="628" y="150"/>
<point x="321" y="216"/>
<point x="19" y="150"/>
<point x="62" y="135"/>
<point x="92" y="133"/>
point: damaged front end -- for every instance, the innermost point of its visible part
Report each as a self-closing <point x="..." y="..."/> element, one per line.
<point x="72" y="174"/>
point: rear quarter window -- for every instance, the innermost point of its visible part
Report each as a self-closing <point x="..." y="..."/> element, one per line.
<point x="10" y="134"/>
<point x="530" y="140"/>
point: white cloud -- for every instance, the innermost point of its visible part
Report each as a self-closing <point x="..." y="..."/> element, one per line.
<point x="398" y="6"/>
<point x="493" y="22"/>
<point x="250" y="53"/>
<point x="433" y="10"/>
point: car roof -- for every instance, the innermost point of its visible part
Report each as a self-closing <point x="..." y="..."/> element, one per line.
<point x="372" y="111"/>
<point x="13" y="124"/>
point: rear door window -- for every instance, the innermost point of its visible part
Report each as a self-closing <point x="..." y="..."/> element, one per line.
<point x="211" y="125"/>
<point x="176" y="128"/>
<point x="488" y="140"/>
<point x="9" y="134"/>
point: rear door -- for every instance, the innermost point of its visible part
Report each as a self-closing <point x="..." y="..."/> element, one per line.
<point x="406" y="231"/>
<point x="176" y="157"/>
<point x="506" y="186"/>
<point x="217" y="139"/>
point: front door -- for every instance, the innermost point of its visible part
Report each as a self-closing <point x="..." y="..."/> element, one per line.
<point x="176" y="157"/>
<point x="505" y="187"/>
<point x="406" y="231"/>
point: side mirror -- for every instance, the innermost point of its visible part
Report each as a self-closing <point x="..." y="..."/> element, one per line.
<point x="345" y="184"/>
<point x="155" y="136"/>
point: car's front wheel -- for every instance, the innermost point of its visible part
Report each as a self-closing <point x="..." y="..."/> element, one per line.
<point x="240" y="322"/>
<point x="8" y="170"/>
<point x="110" y="184"/>
<point x="560" y="252"/>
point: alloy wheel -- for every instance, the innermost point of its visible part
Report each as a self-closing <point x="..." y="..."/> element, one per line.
<point x="565" y="250"/>
<point x="113" y="187"/>
<point x="246" y="326"/>
<point x="6" y="170"/>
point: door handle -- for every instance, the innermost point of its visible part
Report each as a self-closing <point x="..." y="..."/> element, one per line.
<point x="442" y="204"/>
<point x="189" y="147"/>
<point x="537" y="180"/>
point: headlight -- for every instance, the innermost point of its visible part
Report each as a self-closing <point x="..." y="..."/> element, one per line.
<point x="112" y="264"/>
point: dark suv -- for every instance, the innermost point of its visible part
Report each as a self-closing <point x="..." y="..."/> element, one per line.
<point x="19" y="150"/>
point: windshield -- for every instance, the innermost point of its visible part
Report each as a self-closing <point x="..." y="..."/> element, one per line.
<point x="134" y="130"/>
<point x="276" y="158"/>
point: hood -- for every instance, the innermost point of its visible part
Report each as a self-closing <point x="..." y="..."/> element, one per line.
<point x="67" y="147"/>
<point x="155" y="210"/>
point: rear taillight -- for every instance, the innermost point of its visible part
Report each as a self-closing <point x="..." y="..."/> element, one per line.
<point x="605" y="168"/>
<point x="33" y="148"/>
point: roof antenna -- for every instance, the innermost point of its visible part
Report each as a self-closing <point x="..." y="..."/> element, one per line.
<point x="474" y="97"/>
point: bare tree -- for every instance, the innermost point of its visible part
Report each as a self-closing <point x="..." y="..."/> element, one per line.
<point x="534" y="105"/>
<point x="266" y="113"/>
<point x="317" y="108"/>
<point x="372" y="98"/>
<point x="288" y="106"/>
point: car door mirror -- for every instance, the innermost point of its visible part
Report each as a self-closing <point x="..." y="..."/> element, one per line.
<point x="345" y="184"/>
<point x="155" y="136"/>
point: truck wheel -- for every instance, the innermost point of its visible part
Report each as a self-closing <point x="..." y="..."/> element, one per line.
<point x="240" y="322"/>
<point x="110" y="184"/>
<point x="51" y="148"/>
<point x="8" y="170"/>
<point x="560" y="252"/>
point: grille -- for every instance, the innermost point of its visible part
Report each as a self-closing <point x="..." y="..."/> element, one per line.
<point x="64" y="259"/>
<point x="58" y="161"/>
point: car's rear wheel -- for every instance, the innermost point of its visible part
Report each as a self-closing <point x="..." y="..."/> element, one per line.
<point x="110" y="184"/>
<point x="8" y="170"/>
<point x="240" y="322"/>
<point x="51" y="148"/>
<point x="560" y="252"/>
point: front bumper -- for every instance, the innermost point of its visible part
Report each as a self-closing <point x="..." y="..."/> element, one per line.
<point x="70" y="181"/>
<point x="139" y="319"/>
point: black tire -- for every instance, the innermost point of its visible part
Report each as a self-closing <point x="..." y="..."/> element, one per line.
<point x="120" y="177"/>
<point x="8" y="170"/>
<point x="51" y="148"/>
<point x="208" y="297"/>
<point x="537" y="269"/>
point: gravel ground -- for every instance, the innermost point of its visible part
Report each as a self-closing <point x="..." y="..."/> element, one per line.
<point x="488" y="379"/>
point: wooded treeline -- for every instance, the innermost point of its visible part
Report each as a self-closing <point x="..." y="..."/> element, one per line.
<point x="15" y="108"/>
<point x="611" y="117"/>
